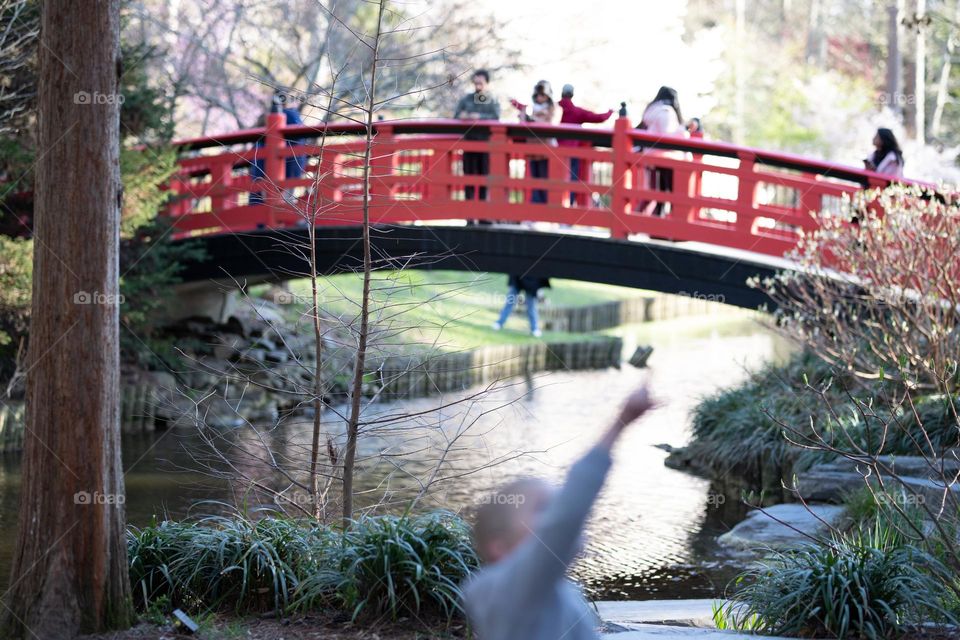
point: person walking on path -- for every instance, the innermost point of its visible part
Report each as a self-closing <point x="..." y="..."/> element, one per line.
<point x="530" y="286"/>
<point x="479" y="105"/>
<point x="572" y="114"/>
<point x="528" y="534"/>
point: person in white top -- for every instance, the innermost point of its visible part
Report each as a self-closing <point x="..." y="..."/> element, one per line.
<point x="543" y="110"/>
<point x="662" y="117"/>
<point x="887" y="158"/>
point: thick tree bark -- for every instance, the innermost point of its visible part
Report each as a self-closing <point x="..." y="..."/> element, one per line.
<point x="70" y="564"/>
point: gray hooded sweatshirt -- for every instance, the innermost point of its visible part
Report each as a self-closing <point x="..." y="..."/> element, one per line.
<point x="526" y="596"/>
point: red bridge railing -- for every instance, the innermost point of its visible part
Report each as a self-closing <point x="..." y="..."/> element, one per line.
<point x="720" y="194"/>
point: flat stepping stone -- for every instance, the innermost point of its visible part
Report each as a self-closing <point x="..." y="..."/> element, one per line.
<point x="783" y="528"/>
<point x="676" y="613"/>
<point x="664" y="632"/>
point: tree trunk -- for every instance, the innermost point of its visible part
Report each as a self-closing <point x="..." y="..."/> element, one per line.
<point x="894" y="58"/>
<point x="920" y="74"/>
<point x="356" y="387"/>
<point x="816" y="48"/>
<point x="739" y="134"/>
<point x="70" y="564"/>
<point x="943" y="87"/>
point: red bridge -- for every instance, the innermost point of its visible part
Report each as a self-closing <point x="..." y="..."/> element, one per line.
<point x="723" y="197"/>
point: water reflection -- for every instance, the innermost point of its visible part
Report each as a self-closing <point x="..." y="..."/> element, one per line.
<point x="652" y="534"/>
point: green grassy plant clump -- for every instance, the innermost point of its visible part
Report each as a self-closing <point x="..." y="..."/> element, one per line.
<point x="737" y="428"/>
<point x="867" y="585"/>
<point x="740" y="428"/>
<point x="381" y="565"/>
<point x="391" y="565"/>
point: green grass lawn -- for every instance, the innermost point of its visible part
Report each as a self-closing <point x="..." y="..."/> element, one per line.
<point x="450" y="309"/>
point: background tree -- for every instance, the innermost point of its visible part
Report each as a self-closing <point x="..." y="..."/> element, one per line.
<point x="70" y="563"/>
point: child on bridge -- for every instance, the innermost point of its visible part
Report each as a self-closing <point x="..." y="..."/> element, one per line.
<point x="528" y="536"/>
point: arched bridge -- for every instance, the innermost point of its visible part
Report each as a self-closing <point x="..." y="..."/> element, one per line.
<point x="665" y="213"/>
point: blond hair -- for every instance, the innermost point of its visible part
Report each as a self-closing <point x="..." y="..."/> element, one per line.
<point x="497" y="514"/>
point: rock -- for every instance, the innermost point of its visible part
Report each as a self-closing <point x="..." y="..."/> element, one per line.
<point x="782" y="526"/>
<point x="677" y="613"/>
<point x="683" y="459"/>
<point x="665" y="632"/>
<point x="834" y="481"/>
<point x="255" y="355"/>
<point x="277" y="356"/>
<point x="227" y="345"/>
<point x="640" y="356"/>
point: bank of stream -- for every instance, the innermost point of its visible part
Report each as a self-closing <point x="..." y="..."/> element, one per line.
<point x="653" y="531"/>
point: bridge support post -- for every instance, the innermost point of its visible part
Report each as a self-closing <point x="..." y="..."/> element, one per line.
<point x="274" y="168"/>
<point x="619" y="198"/>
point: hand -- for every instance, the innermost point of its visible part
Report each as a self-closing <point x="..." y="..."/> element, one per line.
<point x="637" y="403"/>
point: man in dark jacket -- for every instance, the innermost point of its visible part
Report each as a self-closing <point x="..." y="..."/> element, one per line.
<point x="479" y="105"/>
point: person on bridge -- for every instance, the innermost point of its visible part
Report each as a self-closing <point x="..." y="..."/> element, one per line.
<point x="573" y="114"/>
<point x="662" y="117"/>
<point x="528" y="534"/>
<point x="887" y="158"/>
<point x="281" y="102"/>
<point x="479" y="105"/>
<point x="542" y="110"/>
<point x="530" y="286"/>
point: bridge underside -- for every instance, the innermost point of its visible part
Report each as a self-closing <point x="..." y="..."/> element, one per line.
<point x="276" y="255"/>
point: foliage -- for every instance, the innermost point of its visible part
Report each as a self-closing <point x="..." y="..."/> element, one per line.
<point x="19" y="34"/>
<point x="876" y="290"/>
<point x="738" y="428"/>
<point x="394" y="565"/>
<point x="16" y="275"/>
<point x="382" y="565"/>
<point x="891" y="509"/>
<point x="149" y="262"/>
<point x="220" y="60"/>
<point x="866" y="585"/>
<point x="757" y="422"/>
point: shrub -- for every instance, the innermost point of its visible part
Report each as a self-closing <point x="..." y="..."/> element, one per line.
<point x="218" y="560"/>
<point x="382" y="565"/>
<point x="865" y="585"/>
<point x="394" y="565"/>
<point x="734" y="428"/>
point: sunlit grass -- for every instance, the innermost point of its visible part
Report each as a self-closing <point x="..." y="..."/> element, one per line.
<point x="449" y="309"/>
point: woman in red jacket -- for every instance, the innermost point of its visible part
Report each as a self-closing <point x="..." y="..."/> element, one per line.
<point x="573" y="114"/>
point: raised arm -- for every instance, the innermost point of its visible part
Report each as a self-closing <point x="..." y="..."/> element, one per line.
<point x="543" y="558"/>
<point x="585" y="115"/>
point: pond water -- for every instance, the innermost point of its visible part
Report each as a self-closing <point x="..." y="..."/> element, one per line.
<point x="653" y="529"/>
